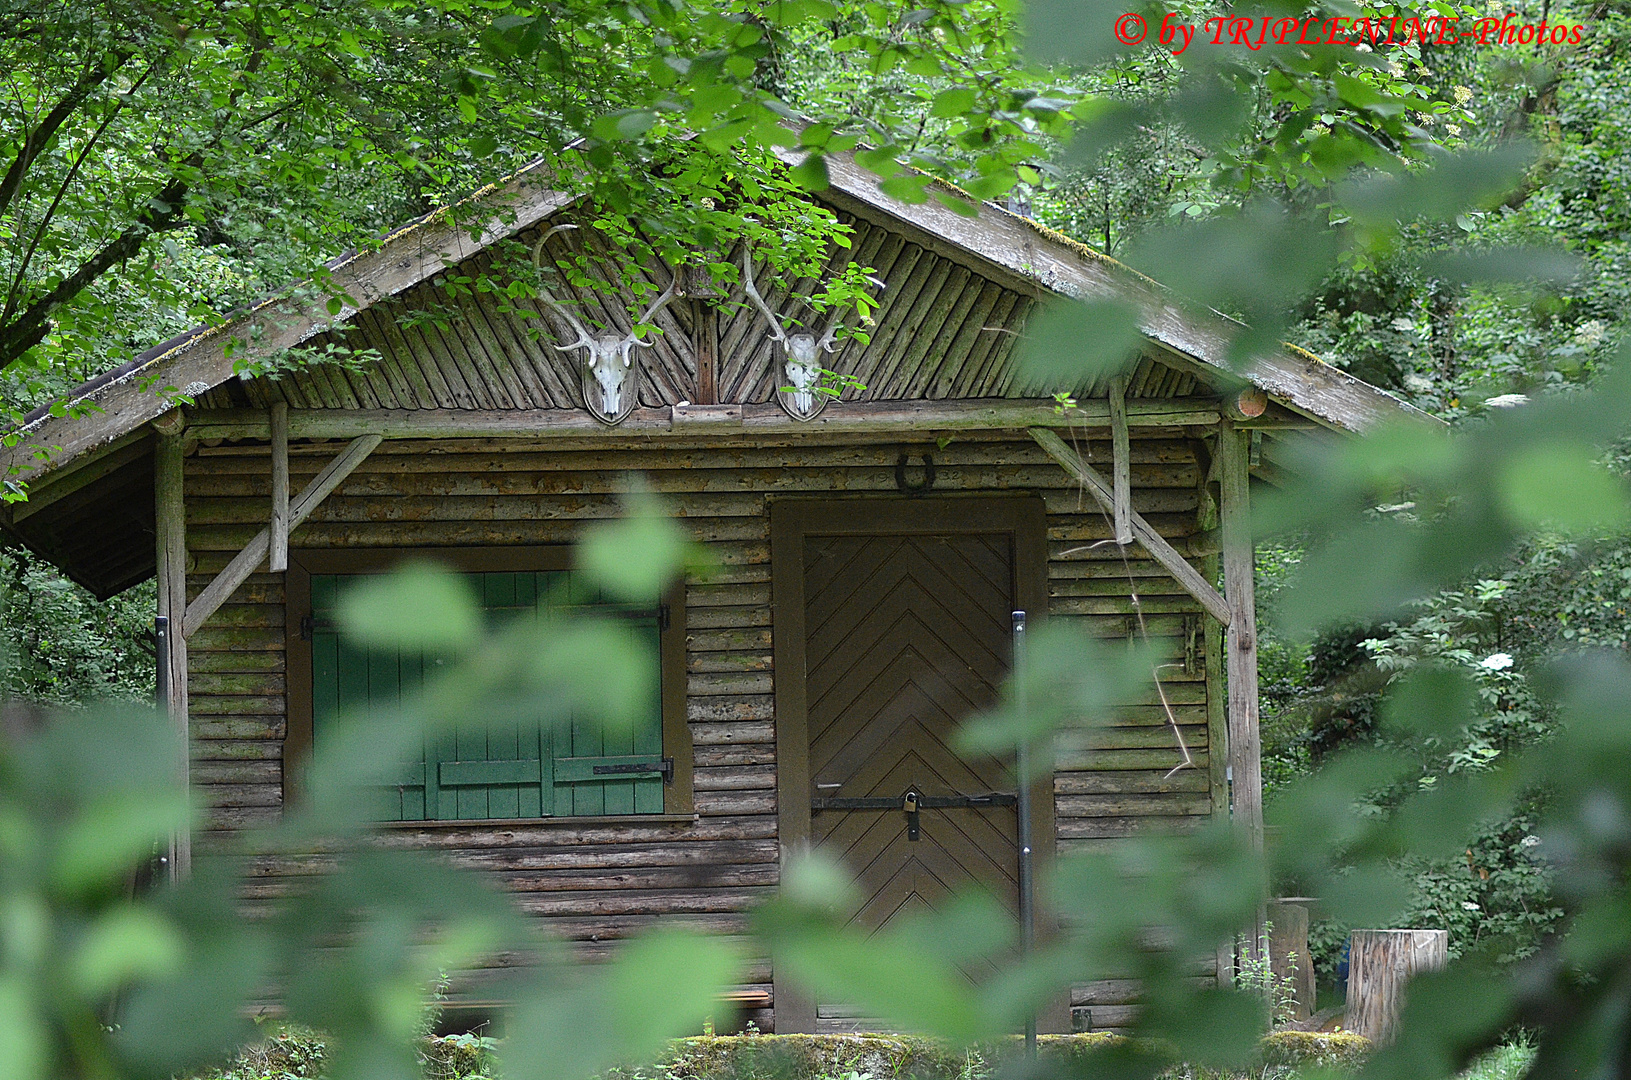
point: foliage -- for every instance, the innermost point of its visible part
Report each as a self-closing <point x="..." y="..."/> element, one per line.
<point x="163" y="168"/>
<point x="85" y="802"/>
<point x="1255" y="973"/>
<point x="62" y="647"/>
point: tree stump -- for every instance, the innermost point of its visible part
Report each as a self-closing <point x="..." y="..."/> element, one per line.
<point x="1380" y="963"/>
<point x="1288" y="953"/>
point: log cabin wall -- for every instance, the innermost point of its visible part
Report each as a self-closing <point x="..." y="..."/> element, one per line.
<point x="597" y="882"/>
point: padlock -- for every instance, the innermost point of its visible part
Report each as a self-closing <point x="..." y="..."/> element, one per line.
<point x="909" y="803"/>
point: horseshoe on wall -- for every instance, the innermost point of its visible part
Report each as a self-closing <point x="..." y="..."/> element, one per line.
<point x="919" y="489"/>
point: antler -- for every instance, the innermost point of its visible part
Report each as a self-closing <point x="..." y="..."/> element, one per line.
<point x="656" y="306"/>
<point x="758" y="301"/>
<point x="831" y="336"/>
<point x="585" y="339"/>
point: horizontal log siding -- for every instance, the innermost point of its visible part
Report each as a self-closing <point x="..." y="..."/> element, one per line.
<point x="600" y="881"/>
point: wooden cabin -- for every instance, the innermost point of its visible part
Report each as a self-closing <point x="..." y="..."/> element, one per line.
<point x="869" y="556"/>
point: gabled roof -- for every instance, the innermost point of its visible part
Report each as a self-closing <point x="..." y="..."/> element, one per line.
<point x="984" y="273"/>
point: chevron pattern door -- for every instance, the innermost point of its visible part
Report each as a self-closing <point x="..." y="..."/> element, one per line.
<point x="892" y="623"/>
<point x="905" y="637"/>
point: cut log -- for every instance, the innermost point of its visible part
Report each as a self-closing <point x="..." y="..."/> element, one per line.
<point x="1380" y="964"/>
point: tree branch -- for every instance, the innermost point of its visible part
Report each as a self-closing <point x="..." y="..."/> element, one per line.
<point x="20" y="281"/>
<point x="37" y="139"/>
<point x="29" y="328"/>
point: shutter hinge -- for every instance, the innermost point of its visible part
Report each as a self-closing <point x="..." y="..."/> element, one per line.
<point x="665" y="766"/>
<point x="662" y="621"/>
<point x="306" y="627"/>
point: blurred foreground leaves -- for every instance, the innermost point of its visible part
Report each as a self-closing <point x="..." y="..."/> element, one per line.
<point x="107" y="971"/>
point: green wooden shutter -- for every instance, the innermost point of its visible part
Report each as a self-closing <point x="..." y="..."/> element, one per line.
<point x="518" y="769"/>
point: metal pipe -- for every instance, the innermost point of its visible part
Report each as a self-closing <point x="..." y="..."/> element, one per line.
<point x="161" y="699"/>
<point x="1027" y="882"/>
<point x="161" y="662"/>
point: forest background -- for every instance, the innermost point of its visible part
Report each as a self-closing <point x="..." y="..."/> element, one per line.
<point x="216" y="203"/>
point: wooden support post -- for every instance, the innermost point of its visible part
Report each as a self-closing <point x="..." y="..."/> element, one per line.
<point x="705" y="318"/>
<point x="1380" y="963"/>
<point x="1161" y="551"/>
<point x="278" y="559"/>
<point x="1239" y="586"/>
<point x="170" y="531"/>
<point x="1121" y="464"/>
<point x="254" y="553"/>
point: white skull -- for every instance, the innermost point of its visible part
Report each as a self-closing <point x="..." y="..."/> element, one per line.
<point x="803" y="370"/>
<point x="609" y="362"/>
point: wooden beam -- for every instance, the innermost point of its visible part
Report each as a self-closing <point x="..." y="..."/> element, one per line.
<point x="1121" y="463"/>
<point x="1158" y="547"/>
<point x="170" y="533"/>
<point x="254" y="553"/>
<point x="765" y="418"/>
<point x="278" y="558"/>
<point x="1239" y="585"/>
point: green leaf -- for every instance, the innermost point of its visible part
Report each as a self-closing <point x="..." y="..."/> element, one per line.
<point x="1516" y="264"/>
<point x="811" y="173"/>
<point x="125" y="945"/>
<point x="636" y="557"/>
<point x="667" y="984"/>
<point x="908" y="188"/>
<point x="112" y="835"/>
<point x="954" y="102"/>
<point x="598" y="669"/>
<point x="24" y="1041"/>
<point x="955" y="202"/>
<point x="1074" y="344"/>
<point x="422" y="605"/>
<point x="1561" y="486"/>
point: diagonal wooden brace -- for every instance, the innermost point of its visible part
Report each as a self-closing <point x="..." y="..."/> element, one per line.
<point x="254" y="553"/>
<point x="1161" y="551"/>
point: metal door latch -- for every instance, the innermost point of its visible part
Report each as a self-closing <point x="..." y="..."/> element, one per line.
<point x="914" y="822"/>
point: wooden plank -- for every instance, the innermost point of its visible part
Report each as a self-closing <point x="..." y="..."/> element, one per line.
<point x="277" y="559"/>
<point x="482" y="475"/>
<point x="247" y="560"/>
<point x="1153" y="541"/>
<point x="1121" y="463"/>
<point x="765" y="418"/>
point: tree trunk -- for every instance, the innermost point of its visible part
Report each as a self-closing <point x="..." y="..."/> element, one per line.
<point x="1380" y="963"/>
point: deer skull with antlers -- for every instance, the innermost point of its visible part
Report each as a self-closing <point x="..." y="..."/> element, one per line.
<point x="803" y="397"/>
<point x="608" y="392"/>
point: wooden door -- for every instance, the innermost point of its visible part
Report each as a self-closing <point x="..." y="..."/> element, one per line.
<point x="905" y="637"/>
<point x="893" y="625"/>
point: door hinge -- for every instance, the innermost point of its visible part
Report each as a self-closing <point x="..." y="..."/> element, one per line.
<point x="639" y="768"/>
